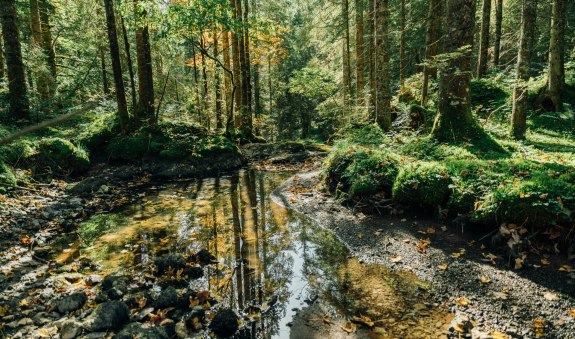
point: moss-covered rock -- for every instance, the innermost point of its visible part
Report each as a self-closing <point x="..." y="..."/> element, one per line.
<point x="128" y="147"/>
<point x="422" y="184"/>
<point x="59" y="155"/>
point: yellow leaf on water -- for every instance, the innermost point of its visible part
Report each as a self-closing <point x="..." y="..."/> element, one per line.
<point x="462" y="301"/>
<point x="566" y="268"/>
<point x="443" y="267"/>
<point x="360" y="235"/>
<point x="545" y="261"/>
<point x="24" y="303"/>
<point x="484" y="280"/>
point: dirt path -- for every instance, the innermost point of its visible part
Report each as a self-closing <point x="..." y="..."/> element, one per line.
<point x="466" y="277"/>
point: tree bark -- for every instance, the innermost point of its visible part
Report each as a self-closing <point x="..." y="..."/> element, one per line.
<point x="37" y="45"/>
<point x="383" y="101"/>
<point x="372" y="61"/>
<point x="116" y="65"/>
<point x="518" y="115"/>
<point x="402" y="43"/>
<point x="205" y="83"/>
<point x="454" y="121"/>
<point x="258" y="109"/>
<point x="130" y="66"/>
<point x="237" y="69"/>
<point x="197" y="83"/>
<point x="145" y="73"/>
<point x="498" y="32"/>
<point x="247" y="118"/>
<point x="105" y="84"/>
<point x="359" y="53"/>
<point x="432" y="43"/>
<point x="556" y="70"/>
<point x="18" y="93"/>
<point x="218" y="90"/>
<point x="228" y="65"/>
<point x="346" y="53"/>
<point x="1" y="59"/>
<point x="484" y="38"/>
<point x="47" y="43"/>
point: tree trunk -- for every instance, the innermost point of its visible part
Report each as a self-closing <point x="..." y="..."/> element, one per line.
<point x="105" y="84"/>
<point x="218" y="91"/>
<point x="36" y="45"/>
<point x="237" y="69"/>
<point x="1" y="59"/>
<point x="247" y="121"/>
<point x="498" y="32"/>
<point x="18" y="94"/>
<point x="116" y="65"/>
<point x="402" y="44"/>
<point x="228" y="65"/>
<point x="47" y="43"/>
<point x="484" y="38"/>
<point x="145" y="73"/>
<point x="360" y="69"/>
<point x="346" y="53"/>
<point x="372" y="61"/>
<point x="454" y="121"/>
<point x="383" y="102"/>
<point x="258" y="109"/>
<point x="130" y="67"/>
<point x="556" y="71"/>
<point x="432" y="43"/>
<point x="205" y="83"/>
<point x="197" y="83"/>
<point x="518" y="115"/>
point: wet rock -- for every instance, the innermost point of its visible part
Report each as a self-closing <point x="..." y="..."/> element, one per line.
<point x="70" y="329"/>
<point x="173" y="261"/>
<point x="72" y="302"/>
<point x="204" y="257"/>
<point x="136" y="330"/>
<point x="225" y="323"/>
<point x="115" y="286"/>
<point x="194" y="272"/>
<point x="42" y="252"/>
<point x="168" y="298"/>
<point x="24" y="322"/>
<point x="109" y="316"/>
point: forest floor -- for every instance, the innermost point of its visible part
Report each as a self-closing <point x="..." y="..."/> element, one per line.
<point x="480" y="288"/>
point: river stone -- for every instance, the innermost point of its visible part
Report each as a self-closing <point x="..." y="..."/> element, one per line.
<point x="110" y="316"/>
<point x="168" y="297"/>
<point x="163" y="264"/>
<point x="225" y="323"/>
<point x="72" y="302"/>
<point x="137" y="330"/>
<point x="115" y="286"/>
<point x="204" y="257"/>
<point x="70" y="329"/>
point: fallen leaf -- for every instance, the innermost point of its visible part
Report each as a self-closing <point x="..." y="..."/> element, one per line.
<point x="164" y="240"/>
<point x="327" y="320"/>
<point x="572" y="313"/>
<point x="458" y="254"/>
<point x="499" y="335"/>
<point x="566" y="268"/>
<point x="442" y="267"/>
<point x="462" y="301"/>
<point x="491" y="257"/>
<point x="431" y="230"/>
<point x="539" y="328"/>
<point x="484" y="280"/>
<point x="47" y="332"/>
<point x="3" y="310"/>
<point x="545" y="261"/>
<point x="444" y="228"/>
<point x="551" y="296"/>
<point x="293" y="200"/>
<point x="360" y="235"/>
<point x="24" y="303"/>
<point x="518" y="263"/>
<point x="500" y="295"/>
<point x="349" y="327"/>
<point x="365" y="320"/>
<point x="26" y="240"/>
<point x="395" y="259"/>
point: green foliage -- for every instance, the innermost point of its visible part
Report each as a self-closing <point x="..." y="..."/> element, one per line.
<point x="422" y="184"/>
<point x="58" y="154"/>
<point x="360" y="172"/>
<point x="487" y="95"/>
<point x="128" y="147"/>
<point x="6" y="175"/>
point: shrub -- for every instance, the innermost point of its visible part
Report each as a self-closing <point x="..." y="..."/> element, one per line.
<point x="59" y="154"/>
<point x="128" y="148"/>
<point x="6" y="175"/>
<point x="424" y="184"/>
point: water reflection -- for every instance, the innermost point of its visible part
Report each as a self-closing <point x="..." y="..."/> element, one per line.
<point x="269" y="259"/>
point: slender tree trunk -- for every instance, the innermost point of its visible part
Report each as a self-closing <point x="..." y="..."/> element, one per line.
<point x="205" y="82"/>
<point x="105" y="84"/>
<point x="18" y="93"/>
<point x="37" y="45"/>
<point x="1" y="59"/>
<point x="556" y="70"/>
<point x="228" y="65"/>
<point x="258" y="109"/>
<point x="454" y="120"/>
<point x="498" y="32"/>
<point x="247" y="118"/>
<point x="237" y="68"/>
<point x="346" y="53"/>
<point x="130" y="67"/>
<point x="116" y="65"/>
<point x="432" y="43"/>
<point x="47" y="43"/>
<point x="383" y="102"/>
<point x="402" y="44"/>
<point x="197" y="84"/>
<point x="359" y="53"/>
<point x="145" y="73"/>
<point x="372" y="60"/>
<point x="484" y="38"/>
<point x="218" y="90"/>
<point x="518" y="115"/>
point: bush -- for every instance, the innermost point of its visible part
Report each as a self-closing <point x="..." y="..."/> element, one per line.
<point x="359" y="172"/>
<point x="128" y="148"/>
<point x="6" y="175"/>
<point x="59" y="154"/>
<point x="424" y="184"/>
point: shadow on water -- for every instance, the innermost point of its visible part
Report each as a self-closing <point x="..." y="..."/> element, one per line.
<point x="272" y="262"/>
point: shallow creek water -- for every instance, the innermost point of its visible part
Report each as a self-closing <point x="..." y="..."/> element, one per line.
<point x="270" y="259"/>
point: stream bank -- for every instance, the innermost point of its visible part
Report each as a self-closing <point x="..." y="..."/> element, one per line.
<point x="466" y="278"/>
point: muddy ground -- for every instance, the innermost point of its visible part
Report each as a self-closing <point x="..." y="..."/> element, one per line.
<point x="470" y="279"/>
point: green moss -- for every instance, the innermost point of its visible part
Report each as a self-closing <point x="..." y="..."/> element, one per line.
<point x="6" y="175"/>
<point x="128" y="148"/>
<point x="487" y="96"/>
<point x="59" y="154"/>
<point x="423" y="183"/>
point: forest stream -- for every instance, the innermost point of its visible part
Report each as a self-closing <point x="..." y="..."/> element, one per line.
<point x="284" y="275"/>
